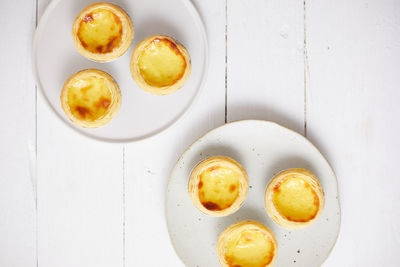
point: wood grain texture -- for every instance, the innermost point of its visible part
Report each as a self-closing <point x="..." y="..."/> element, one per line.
<point x="352" y="115"/>
<point x="149" y="163"/>
<point x="80" y="195"/>
<point x="17" y="137"/>
<point x="265" y="68"/>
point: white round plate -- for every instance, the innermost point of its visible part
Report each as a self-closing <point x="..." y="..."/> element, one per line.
<point x="264" y="149"/>
<point x="141" y="114"/>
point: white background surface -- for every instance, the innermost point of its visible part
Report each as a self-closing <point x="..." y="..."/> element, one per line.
<point x="327" y="69"/>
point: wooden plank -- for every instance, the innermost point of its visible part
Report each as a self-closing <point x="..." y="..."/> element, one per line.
<point x="17" y="136"/>
<point x="149" y="163"/>
<point x="265" y="74"/>
<point x="352" y="115"/>
<point x="80" y="190"/>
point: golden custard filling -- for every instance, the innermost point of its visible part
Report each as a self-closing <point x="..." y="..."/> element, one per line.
<point x="295" y="199"/>
<point x="250" y="248"/>
<point x="161" y="63"/>
<point x="218" y="188"/>
<point x="89" y="99"/>
<point x="100" y="31"/>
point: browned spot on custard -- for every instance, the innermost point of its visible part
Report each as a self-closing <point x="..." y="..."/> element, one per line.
<point x="232" y="188"/>
<point x="211" y="205"/>
<point x="172" y="45"/>
<point x="213" y="168"/>
<point x="200" y="184"/>
<point x="88" y="18"/>
<point x="85" y="89"/>
<point x="83" y="44"/>
<point x="276" y="187"/>
<point x="82" y="111"/>
<point x="247" y="238"/>
<point x="202" y="194"/>
<point x="316" y="200"/>
<point x="103" y="103"/>
<point x="109" y="47"/>
<point x="230" y="262"/>
<point x="117" y="19"/>
<point x="110" y="43"/>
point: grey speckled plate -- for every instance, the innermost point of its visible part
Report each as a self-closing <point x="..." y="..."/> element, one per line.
<point x="263" y="148"/>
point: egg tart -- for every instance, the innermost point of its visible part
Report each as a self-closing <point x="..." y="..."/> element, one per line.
<point x="160" y="65"/>
<point x="90" y="98"/>
<point x="294" y="198"/>
<point x="102" y="32"/>
<point x="218" y="186"/>
<point x="247" y="244"/>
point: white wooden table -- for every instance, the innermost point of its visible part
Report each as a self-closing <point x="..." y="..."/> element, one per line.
<point x="327" y="69"/>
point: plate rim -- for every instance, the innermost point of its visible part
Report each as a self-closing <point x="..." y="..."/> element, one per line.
<point x="227" y="124"/>
<point x="197" y="19"/>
